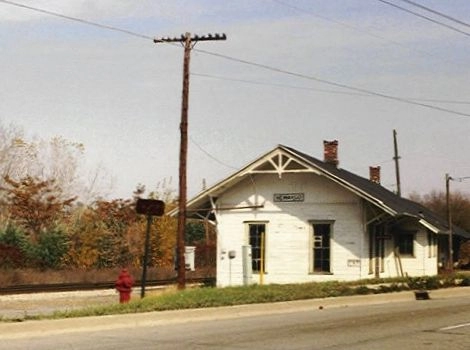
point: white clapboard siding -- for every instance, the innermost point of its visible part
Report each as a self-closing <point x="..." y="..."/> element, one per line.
<point x="288" y="239"/>
<point x="289" y="231"/>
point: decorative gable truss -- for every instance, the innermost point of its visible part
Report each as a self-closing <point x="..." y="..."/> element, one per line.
<point x="278" y="162"/>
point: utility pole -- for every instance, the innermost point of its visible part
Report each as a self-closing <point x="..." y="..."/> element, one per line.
<point x="396" y="158"/>
<point x="188" y="42"/>
<point x="450" y="262"/>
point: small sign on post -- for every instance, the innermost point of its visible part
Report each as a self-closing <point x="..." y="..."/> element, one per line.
<point x="149" y="207"/>
<point x="152" y="207"/>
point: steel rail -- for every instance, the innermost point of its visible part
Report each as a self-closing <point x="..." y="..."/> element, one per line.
<point x="69" y="287"/>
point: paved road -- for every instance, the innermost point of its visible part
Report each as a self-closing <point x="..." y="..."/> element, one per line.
<point x="370" y="322"/>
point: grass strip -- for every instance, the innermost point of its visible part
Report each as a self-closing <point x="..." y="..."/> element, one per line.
<point x="214" y="297"/>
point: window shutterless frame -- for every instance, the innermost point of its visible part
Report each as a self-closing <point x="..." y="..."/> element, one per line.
<point x="256" y="238"/>
<point x="405" y="242"/>
<point x="320" y="246"/>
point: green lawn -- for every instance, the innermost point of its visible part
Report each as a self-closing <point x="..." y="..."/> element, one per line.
<point x="201" y="297"/>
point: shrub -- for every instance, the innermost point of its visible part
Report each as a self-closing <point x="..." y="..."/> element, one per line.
<point x="465" y="282"/>
<point x="49" y="250"/>
<point x="425" y="282"/>
<point x="12" y="244"/>
<point x="12" y="236"/>
<point x="362" y="290"/>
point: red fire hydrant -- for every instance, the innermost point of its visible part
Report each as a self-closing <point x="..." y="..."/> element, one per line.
<point x="124" y="285"/>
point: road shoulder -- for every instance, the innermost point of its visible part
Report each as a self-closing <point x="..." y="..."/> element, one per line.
<point x="27" y="329"/>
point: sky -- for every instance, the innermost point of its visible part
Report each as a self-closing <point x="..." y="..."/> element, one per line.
<point x="291" y="72"/>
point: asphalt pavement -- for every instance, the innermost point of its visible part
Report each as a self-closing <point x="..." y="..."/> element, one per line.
<point x="37" y="328"/>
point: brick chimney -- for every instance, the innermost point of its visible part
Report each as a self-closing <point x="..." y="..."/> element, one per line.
<point x="374" y="174"/>
<point x="330" y="152"/>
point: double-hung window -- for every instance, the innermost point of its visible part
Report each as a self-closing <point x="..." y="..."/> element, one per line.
<point x="405" y="243"/>
<point x="321" y="244"/>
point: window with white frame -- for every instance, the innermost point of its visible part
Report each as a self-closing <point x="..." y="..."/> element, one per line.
<point x="321" y="244"/>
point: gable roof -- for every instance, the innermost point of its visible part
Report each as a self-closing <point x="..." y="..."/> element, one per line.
<point x="287" y="159"/>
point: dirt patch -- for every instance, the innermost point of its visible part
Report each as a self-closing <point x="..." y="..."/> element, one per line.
<point x="21" y="305"/>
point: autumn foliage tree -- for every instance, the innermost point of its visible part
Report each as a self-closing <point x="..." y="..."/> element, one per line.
<point x="460" y="208"/>
<point x="36" y="216"/>
<point x="111" y="233"/>
<point x="98" y="234"/>
<point x="52" y="216"/>
<point x="35" y="205"/>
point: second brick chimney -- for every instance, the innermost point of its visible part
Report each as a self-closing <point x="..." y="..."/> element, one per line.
<point x="374" y="174"/>
<point x="330" y="152"/>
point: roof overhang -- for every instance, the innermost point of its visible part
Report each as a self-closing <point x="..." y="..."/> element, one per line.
<point x="279" y="161"/>
<point x="282" y="160"/>
<point x="429" y="226"/>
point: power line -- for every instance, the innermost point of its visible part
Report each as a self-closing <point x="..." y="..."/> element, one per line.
<point x="457" y="102"/>
<point x="332" y="83"/>
<point x="424" y="17"/>
<point x="453" y="19"/>
<point x="274" y="69"/>
<point x="254" y="82"/>
<point x="75" y="19"/>
<point x="210" y="155"/>
<point x="354" y="28"/>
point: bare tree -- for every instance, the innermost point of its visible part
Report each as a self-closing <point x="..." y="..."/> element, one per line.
<point x="459" y="205"/>
<point x="56" y="159"/>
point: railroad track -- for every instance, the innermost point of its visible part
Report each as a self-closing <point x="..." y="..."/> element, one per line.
<point x="69" y="287"/>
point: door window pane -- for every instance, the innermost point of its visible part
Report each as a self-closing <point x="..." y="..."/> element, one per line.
<point x="257" y="242"/>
